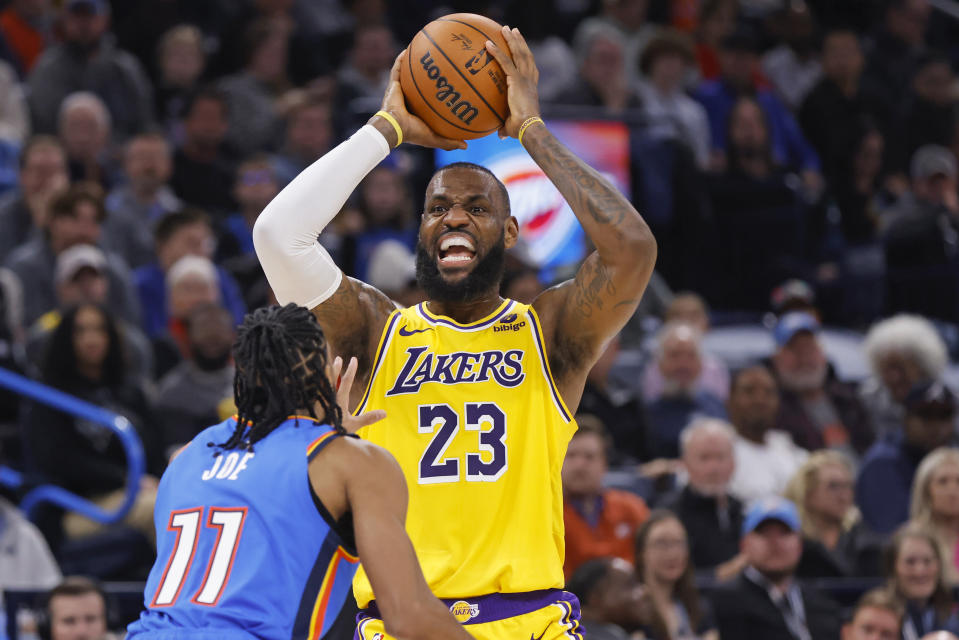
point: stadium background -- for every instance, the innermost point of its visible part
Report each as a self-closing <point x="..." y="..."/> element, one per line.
<point x="139" y="139"/>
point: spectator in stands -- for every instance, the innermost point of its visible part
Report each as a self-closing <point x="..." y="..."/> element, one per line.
<point x="203" y="163"/>
<point x="629" y="18"/>
<point x="393" y="271"/>
<point x="793" y="66"/>
<point x="608" y="594"/>
<point x="14" y="113"/>
<point x="836" y="544"/>
<point x="831" y="113"/>
<point x="84" y="359"/>
<point x="717" y="19"/>
<point x="43" y="173"/>
<point x="256" y="185"/>
<point x="930" y="113"/>
<point x="181" y="60"/>
<point x="181" y="233"/>
<point x="252" y="93"/>
<point x="362" y="79"/>
<point x="26" y="562"/>
<point x="599" y="522"/>
<point x="739" y="60"/>
<point x="878" y="616"/>
<point x="690" y="308"/>
<point x="12" y="359"/>
<point x="766" y="457"/>
<point x="679" y="359"/>
<point x="617" y="407"/>
<point x="902" y="351"/>
<point x="896" y="46"/>
<point x="84" y="128"/>
<point x="601" y="82"/>
<point x="935" y="504"/>
<point x="765" y="601"/>
<point x="76" y="609"/>
<point x="82" y="277"/>
<point x="887" y="470"/>
<point x="308" y="134"/>
<point x="88" y="60"/>
<point x="27" y="28"/>
<point x="816" y="410"/>
<point x="669" y="112"/>
<point x="388" y="214"/>
<point x="712" y="517"/>
<point x="136" y="206"/>
<point x="189" y="396"/>
<point x="672" y="606"/>
<point x="915" y="572"/>
<point x="75" y="217"/>
<point x="858" y="184"/>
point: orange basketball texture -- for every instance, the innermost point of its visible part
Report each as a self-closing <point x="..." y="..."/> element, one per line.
<point x="451" y="81"/>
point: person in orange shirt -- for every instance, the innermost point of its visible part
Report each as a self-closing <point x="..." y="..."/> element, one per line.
<point x="599" y="522"/>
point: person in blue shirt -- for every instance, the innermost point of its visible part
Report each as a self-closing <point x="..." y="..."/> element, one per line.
<point x="261" y="519"/>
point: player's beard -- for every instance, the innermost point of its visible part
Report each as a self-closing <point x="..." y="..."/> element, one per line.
<point x="486" y="275"/>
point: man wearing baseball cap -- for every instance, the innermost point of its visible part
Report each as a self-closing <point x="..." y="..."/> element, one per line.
<point x="817" y="410"/>
<point x="765" y="601"/>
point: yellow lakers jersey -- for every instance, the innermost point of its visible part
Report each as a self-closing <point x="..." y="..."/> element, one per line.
<point x="480" y="430"/>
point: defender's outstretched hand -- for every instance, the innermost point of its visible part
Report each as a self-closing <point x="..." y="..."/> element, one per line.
<point x="522" y="77"/>
<point x="414" y="130"/>
<point x="351" y="423"/>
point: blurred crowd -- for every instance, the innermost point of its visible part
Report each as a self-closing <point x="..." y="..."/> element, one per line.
<point x="781" y="409"/>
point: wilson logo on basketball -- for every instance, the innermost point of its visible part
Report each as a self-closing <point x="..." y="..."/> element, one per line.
<point x="446" y="93"/>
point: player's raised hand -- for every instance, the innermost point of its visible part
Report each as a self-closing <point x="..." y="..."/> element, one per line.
<point x="414" y="130"/>
<point x="522" y="78"/>
<point x="351" y="423"/>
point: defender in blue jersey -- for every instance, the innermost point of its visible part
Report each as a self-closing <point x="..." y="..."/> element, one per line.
<point x="260" y="518"/>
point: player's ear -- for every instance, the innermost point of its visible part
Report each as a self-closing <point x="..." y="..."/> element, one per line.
<point x="511" y="232"/>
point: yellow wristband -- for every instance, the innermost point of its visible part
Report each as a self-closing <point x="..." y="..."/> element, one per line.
<point x="396" y="125"/>
<point x="526" y="123"/>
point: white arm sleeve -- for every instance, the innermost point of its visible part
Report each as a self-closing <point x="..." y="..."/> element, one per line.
<point x="285" y="234"/>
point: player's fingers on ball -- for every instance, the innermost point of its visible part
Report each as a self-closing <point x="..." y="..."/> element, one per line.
<point x="504" y="60"/>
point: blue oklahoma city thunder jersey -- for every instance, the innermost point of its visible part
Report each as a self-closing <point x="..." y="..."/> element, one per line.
<point x="242" y="548"/>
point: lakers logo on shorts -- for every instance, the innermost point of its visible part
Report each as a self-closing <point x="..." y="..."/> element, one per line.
<point x="464" y="611"/>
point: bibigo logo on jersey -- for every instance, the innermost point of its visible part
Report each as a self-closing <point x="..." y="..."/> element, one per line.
<point x="464" y="611"/>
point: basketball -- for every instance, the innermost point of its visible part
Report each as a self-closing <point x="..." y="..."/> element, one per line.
<point x="451" y="81"/>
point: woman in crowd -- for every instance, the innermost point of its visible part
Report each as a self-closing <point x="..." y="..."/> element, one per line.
<point x="902" y="351"/>
<point x="914" y="571"/>
<point x="836" y="543"/>
<point x="672" y="609"/>
<point x="84" y="359"/>
<point x="935" y="504"/>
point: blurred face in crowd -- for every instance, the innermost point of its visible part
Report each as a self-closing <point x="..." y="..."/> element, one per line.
<point x="191" y="291"/>
<point x="747" y="129"/>
<point x="86" y="286"/>
<point x="666" y="553"/>
<point x="773" y="549"/>
<point x="83" y="131"/>
<point x="44" y="167"/>
<point x="667" y="71"/>
<point x="842" y="58"/>
<point x="374" y="50"/>
<point x="268" y="61"/>
<point x="584" y="466"/>
<point x="933" y="83"/>
<point x="524" y="287"/>
<point x="944" y="491"/>
<point x="831" y="495"/>
<point x="189" y="240"/>
<point x="206" y="124"/>
<point x="255" y="187"/>
<point x="909" y="21"/>
<point x="91" y="341"/>
<point x="211" y="334"/>
<point x="83" y="227"/>
<point x="872" y="623"/>
<point x="615" y="598"/>
<point x="604" y="63"/>
<point x="680" y="362"/>
<point x="930" y="432"/>
<point x="713" y="27"/>
<point x="310" y="132"/>
<point x="688" y="309"/>
<point x="753" y="402"/>
<point x="800" y="363"/>
<point x="935" y="189"/>
<point x="899" y="373"/>
<point x="629" y="13"/>
<point x="78" y="617"/>
<point x="709" y="460"/>
<point x="182" y="60"/>
<point x="867" y="162"/>
<point x="385" y="197"/>
<point x="917" y="569"/>
<point x="84" y="27"/>
<point x="147" y="163"/>
<point x="737" y="67"/>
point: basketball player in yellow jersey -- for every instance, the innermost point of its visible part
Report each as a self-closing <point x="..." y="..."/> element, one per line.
<point x="479" y="391"/>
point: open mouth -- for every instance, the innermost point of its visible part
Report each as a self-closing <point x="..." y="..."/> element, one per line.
<point x="456" y="250"/>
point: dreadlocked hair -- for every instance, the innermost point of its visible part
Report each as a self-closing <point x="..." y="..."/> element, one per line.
<point x="280" y="355"/>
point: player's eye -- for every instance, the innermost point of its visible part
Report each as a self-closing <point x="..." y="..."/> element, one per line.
<point x="477" y="209"/>
<point x="438" y="209"/>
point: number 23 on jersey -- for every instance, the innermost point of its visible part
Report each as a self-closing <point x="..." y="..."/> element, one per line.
<point x="486" y="464"/>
